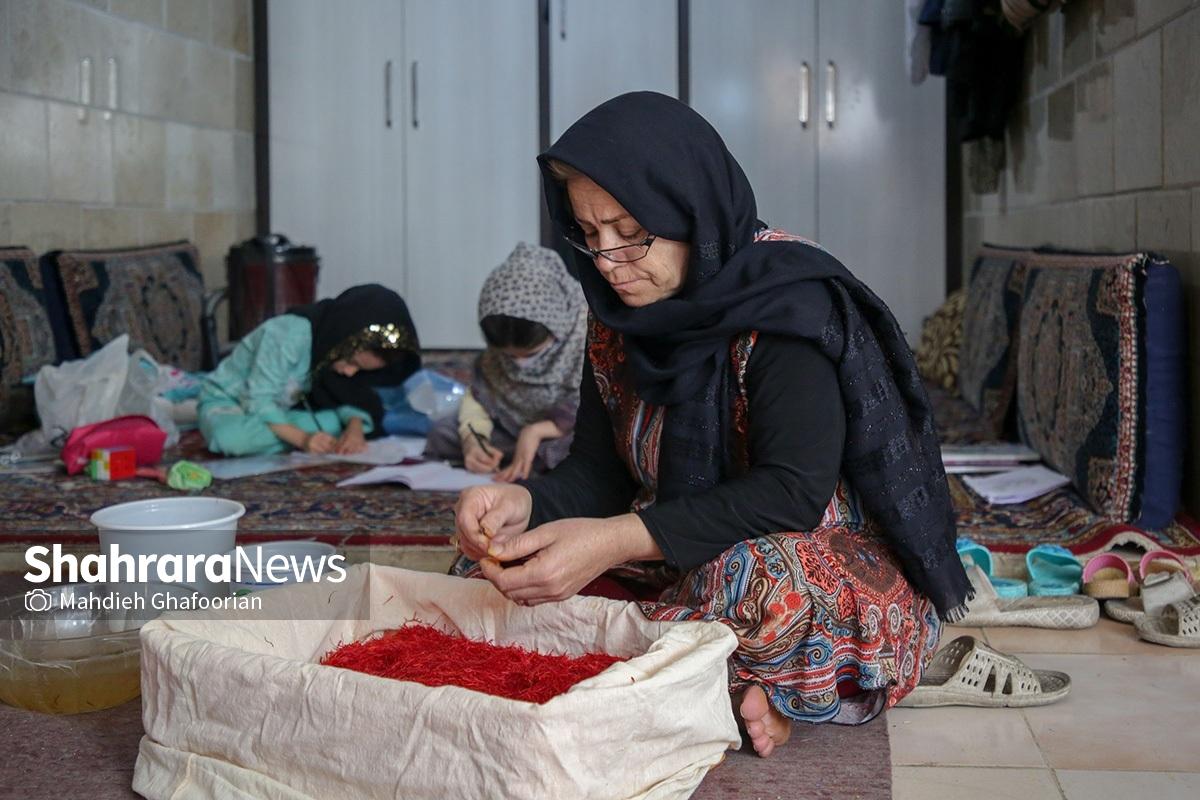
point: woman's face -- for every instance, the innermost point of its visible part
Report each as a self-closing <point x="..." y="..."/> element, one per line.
<point x="605" y="223"/>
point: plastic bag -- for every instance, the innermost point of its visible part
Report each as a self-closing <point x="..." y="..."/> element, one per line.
<point x="433" y="394"/>
<point x="109" y="383"/>
<point x="399" y="418"/>
<point x="151" y="389"/>
<point x="411" y="409"/>
<point x="81" y="392"/>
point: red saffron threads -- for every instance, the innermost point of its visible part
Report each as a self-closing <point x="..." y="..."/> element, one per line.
<point x="424" y="654"/>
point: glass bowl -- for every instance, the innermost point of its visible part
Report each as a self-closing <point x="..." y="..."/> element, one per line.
<point x="74" y="648"/>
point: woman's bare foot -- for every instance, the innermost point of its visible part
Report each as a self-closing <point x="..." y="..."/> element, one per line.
<point x="766" y="727"/>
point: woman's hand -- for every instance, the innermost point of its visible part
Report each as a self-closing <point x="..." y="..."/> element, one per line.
<point x="528" y="441"/>
<point x="319" y="443"/>
<point x="352" y="439"/>
<point x="483" y="512"/>
<point x="476" y="460"/>
<point x="564" y="556"/>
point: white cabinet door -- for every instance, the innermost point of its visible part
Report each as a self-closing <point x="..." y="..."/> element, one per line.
<point x="602" y="48"/>
<point x="882" y="171"/>
<point x="336" y="167"/>
<point x="753" y="76"/>
<point x="472" y="188"/>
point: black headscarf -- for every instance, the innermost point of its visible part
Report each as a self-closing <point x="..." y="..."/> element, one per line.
<point x="368" y="317"/>
<point x="670" y="169"/>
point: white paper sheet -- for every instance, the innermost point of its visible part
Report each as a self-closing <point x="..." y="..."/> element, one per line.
<point x="389" y="450"/>
<point x="1017" y="485"/>
<point x="432" y="476"/>
<point x="990" y="454"/>
<point x="976" y="469"/>
<point x="226" y="469"/>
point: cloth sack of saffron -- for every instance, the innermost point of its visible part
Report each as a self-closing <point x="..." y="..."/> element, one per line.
<point x="236" y="703"/>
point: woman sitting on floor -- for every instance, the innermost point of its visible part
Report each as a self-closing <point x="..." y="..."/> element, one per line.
<point x="304" y="379"/>
<point x="753" y="445"/>
<point x="525" y="391"/>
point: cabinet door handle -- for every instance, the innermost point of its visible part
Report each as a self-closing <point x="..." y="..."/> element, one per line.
<point x="805" y="99"/>
<point x="387" y="94"/>
<point x="85" y="87"/>
<point x="830" y="93"/>
<point x="112" y="88"/>
<point x="412" y="88"/>
<point x="562" y="20"/>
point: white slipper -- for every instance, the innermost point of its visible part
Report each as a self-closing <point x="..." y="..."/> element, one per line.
<point x="967" y="672"/>
<point x="1159" y="590"/>
<point x="1177" y="626"/>
<point x="987" y="609"/>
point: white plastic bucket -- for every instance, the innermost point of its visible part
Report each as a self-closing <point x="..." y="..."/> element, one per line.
<point x="183" y="526"/>
<point x="299" y="550"/>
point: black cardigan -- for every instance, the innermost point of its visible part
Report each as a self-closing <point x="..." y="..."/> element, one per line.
<point x="797" y="430"/>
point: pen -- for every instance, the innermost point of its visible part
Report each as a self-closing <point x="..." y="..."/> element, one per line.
<point x="479" y="438"/>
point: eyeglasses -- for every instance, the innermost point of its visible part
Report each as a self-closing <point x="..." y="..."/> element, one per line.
<point x="622" y="254"/>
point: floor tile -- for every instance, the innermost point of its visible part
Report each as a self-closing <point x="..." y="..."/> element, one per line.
<point x="953" y="736"/>
<point x="1107" y="637"/>
<point x="1123" y="713"/>
<point x="958" y="783"/>
<point x="952" y="632"/>
<point x="1108" y="785"/>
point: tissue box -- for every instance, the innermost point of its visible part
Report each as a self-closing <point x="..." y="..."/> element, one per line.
<point x="112" y="463"/>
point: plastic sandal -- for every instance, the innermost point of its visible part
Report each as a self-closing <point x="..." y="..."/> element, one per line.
<point x="1161" y="561"/>
<point x="1177" y="626"/>
<point x="1053" y="571"/>
<point x="1153" y="564"/>
<point x="987" y="609"/>
<point x="973" y="553"/>
<point x="967" y="672"/>
<point x="1159" y="591"/>
<point x="1108" y="577"/>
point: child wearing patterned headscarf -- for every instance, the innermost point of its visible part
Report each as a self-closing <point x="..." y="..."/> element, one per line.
<point x="304" y="379"/>
<point x="525" y="389"/>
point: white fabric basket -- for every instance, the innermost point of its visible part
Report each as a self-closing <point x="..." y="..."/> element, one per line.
<point x="239" y="708"/>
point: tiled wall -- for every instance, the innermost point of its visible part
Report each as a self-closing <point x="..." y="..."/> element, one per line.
<point x="1104" y="151"/>
<point x="176" y="160"/>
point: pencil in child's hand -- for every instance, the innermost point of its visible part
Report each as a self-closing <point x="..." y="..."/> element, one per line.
<point x="479" y="438"/>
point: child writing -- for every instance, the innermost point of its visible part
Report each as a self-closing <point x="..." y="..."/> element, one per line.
<point x="525" y="390"/>
<point x="304" y="379"/>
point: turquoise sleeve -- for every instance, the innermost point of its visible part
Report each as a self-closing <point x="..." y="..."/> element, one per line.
<point x="282" y="357"/>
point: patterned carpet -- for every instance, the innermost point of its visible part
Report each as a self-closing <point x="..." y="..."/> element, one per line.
<point x="284" y="505"/>
<point x="1060" y="517"/>
<point x="822" y="762"/>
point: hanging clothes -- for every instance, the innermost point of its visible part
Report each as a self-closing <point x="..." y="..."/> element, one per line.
<point x="982" y="57"/>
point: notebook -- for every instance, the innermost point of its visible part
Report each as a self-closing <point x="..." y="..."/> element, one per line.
<point x="391" y="450"/>
<point x="228" y="469"/>
<point x="989" y="457"/>
<point x="1017" y="485"/>
<point x="432" y="476"/>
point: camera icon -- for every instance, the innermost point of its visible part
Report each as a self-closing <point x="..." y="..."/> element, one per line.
<point x="38" y="600"/>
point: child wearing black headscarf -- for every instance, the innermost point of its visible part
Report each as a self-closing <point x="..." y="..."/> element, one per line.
<point x="304" y="379"/>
